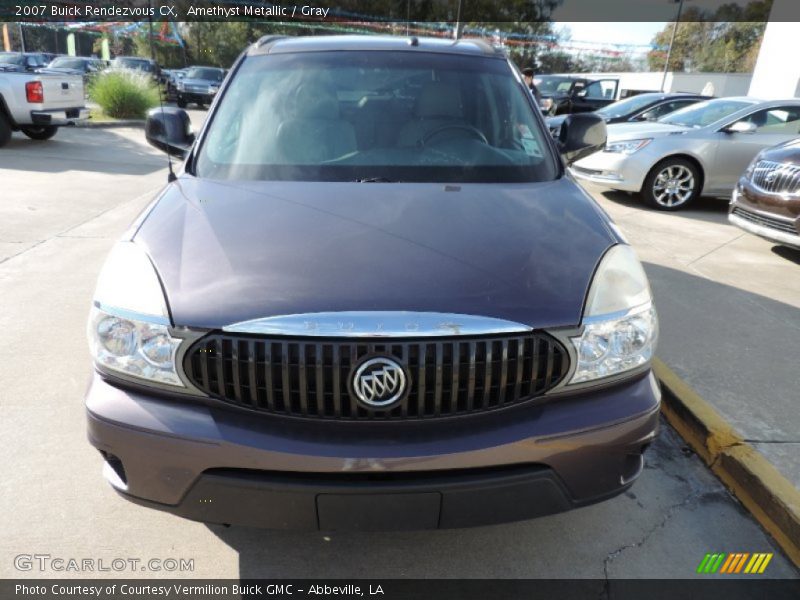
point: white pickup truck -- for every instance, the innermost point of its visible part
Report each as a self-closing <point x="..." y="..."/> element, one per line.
<point x="39" y="103"/>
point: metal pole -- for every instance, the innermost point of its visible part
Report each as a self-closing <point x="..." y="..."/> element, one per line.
<point x="457" y="32"/>
<point x="671" y="41"/>
<point x="22" y="37"/>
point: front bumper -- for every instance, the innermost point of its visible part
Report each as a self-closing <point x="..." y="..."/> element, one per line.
<point x="67" y="116"/>
<point x="229" y="466"/>
<point x="196" y="97"/>
<point x="612" y="170"/>
<point x="767" y="216"/>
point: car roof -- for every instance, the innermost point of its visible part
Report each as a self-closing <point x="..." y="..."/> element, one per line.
<point x="367" y="43"/>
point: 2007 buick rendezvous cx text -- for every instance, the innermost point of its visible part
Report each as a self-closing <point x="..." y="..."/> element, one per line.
<point x="372" y="299"/>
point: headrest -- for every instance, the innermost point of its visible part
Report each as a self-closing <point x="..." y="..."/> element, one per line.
<point x="315" y="101"/>
<point x="439" y="100"/>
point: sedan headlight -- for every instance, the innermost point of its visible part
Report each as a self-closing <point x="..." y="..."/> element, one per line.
<point x="213" y="89"/>
<point x="129" y="325"/>
<point x="620" y="325"/>
<point x="627" y="146"/>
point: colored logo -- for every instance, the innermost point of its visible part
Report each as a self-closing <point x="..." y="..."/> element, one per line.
<point x="736" y="562"/>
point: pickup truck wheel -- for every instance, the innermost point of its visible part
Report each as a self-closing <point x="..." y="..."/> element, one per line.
<point x="5" y="130"/>
<point x="43" y="132"/>
<point x="181" y="102"/>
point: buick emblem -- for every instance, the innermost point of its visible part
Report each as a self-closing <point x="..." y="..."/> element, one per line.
<point x="771" y="177"/>
<point x="379" y="382"/>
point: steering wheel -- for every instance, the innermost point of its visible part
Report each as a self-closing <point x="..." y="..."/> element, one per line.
<point x="474" y="131"/>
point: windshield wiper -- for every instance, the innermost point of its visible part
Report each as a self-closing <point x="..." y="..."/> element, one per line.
<point x="375" y="180"/>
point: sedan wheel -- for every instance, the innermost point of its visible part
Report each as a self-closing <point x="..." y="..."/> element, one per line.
<point x="672" y="184"/>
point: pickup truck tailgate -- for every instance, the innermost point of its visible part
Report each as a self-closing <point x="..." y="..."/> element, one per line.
<point x="60" y="91"/>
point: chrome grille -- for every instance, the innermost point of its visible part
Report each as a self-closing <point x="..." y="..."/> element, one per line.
<point x="766" y="221"/>
<point x="309" y="377"/>
<point x="776" y="178"/>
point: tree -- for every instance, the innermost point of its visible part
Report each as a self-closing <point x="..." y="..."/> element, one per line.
<point x="725" y="42"/>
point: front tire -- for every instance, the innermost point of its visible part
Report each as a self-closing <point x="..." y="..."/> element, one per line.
<point x="43" y="132"/>
<point x="181" y="102"/>
<point x="5" y="130"/>
<point x="672" y="184"/>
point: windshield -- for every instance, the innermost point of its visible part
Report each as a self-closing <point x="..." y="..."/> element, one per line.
<point x="704" y="113"/>
<point x="12" y="59"/>
<point x="205" y="73"/>
<point x="626" y="107"/>
<point x="133" y="63"/>
<point x="553" y="84"/>
<point x="68" y="63"/>
<point x="377" y="116"/>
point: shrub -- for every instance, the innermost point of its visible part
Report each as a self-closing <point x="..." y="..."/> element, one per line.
<point x="124" y="94"/>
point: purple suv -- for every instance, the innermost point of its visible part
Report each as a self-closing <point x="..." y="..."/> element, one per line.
<point x="372" y="298"/>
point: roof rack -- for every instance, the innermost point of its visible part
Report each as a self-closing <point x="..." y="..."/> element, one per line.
<point x="268" y="39"/>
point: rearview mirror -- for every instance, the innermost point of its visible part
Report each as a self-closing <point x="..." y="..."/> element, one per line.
<point x="170" y="130"/>
<point x="740" y="127"/>
<point x="581" y="134"/>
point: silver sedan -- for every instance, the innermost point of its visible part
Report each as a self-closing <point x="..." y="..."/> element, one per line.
<point x="701" y="149"/>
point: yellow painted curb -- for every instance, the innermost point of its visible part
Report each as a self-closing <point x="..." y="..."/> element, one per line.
<point x="771" y="498"/>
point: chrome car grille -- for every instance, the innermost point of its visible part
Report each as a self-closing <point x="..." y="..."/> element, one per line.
<point x="765" y="221"/>
<point x="309" y="377"/>
<point x="197" y="89"/>
<point x="776" y="178"/>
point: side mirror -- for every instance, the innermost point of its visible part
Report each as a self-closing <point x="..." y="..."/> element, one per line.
<point x="740" y="127"/>
<point x="581" y="134"/>
<point x="169" y="130"/>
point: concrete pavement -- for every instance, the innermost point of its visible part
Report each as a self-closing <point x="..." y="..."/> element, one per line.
<point x="729" y="308"/>
<point x="85" y="191"/>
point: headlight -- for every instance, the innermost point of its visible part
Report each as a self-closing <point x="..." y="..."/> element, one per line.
<point x="129" y="325"/>
<point x="627" y="146"/>
<point x="213" y="89"/>
<point x="179" y="85"/>
<point x="620" y="325"/>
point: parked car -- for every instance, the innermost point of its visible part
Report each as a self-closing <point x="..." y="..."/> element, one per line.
<point x="136" y="63"/>
<point x="39" y="103"/>
<point x="77" y="65"/>
<point x="700" y="149"/>
<point x="766" y="201"/>
<point x="199" y="85"/>
<point x="643" y="107"/>
<point x="22" y="61"/>
<point x="373" y="299"/>
<point x="565" y="94"/>
<point x="171" y="87"/>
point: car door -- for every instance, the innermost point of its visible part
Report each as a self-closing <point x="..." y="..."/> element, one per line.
<point x="735" y="150"/>
<point x="596" y="94"/>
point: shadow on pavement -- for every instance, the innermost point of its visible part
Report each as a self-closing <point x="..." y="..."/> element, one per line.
<point x="82" y="149"/>
<point x="710" y="209"/>
<point x="791" y="254"/>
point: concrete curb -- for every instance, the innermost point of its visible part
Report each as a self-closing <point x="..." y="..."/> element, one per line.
<point x="110" y="124"/>
<point x="771" y="498"/>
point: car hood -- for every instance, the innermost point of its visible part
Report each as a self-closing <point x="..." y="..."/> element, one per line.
<point x="644" y="129"/>
<point x="231" y="252"/>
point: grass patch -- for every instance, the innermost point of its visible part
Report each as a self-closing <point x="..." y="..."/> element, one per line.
<point x="124" y="94"/>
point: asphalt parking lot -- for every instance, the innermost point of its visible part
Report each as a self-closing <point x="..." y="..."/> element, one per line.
<point x="62" y="205"/>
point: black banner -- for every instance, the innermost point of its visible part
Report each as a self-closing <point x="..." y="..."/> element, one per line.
<point x="464" y="11"/>
<point x="702" y="588"/>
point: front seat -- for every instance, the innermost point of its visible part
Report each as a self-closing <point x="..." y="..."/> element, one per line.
<point x="438" y="105"/>
<point x="314" y="133"/>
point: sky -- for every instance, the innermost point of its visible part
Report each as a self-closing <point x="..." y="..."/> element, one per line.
<point x="620" y="33"/>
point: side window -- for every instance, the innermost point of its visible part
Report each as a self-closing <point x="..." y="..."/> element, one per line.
<point x="600" y="90"/>
<point x="664" y="109"/>
<point x="781" y="120"/>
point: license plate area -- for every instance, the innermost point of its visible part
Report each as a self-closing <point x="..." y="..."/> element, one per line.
<point x="379" y="512"/>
